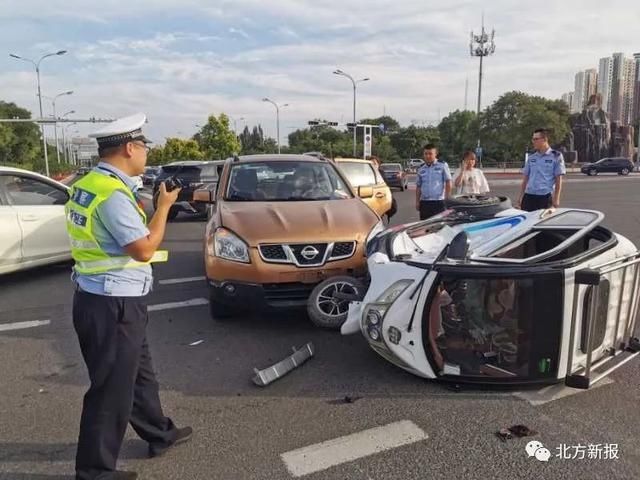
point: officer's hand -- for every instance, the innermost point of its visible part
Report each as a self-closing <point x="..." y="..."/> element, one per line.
<point x="418" y="206"/>
<point x="166" y="199"/>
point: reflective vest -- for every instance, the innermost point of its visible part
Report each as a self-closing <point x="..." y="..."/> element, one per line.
<point x="86" y="195"/>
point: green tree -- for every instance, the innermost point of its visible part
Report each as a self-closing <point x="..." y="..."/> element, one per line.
<point x="254" y="141"/>
<point x="178" y="149"/>
<point x="216" y="140"/>
<point x="20" y="143"/>
<point x="506" y="125"/>
<point x="408" y="142"/>
<point x="458" y="132"/>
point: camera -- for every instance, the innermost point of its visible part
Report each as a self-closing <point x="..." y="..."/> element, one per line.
<point x="173" y="183"/>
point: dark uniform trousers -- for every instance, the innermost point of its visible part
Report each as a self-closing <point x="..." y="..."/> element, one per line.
<point x="429" y="208"/>
<point x="112" y="335"/>
<point x="531" y="202"/>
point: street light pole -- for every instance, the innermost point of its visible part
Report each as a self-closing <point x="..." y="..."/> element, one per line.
<point x="64" y="139"/>
<point x="37" y="66"/>
<point x="354" y="82"/>
<point x="55" y="118"/>
<point x="67" y="147"/>
<point x="277" y="118"/>
<point x="235" y="126"/>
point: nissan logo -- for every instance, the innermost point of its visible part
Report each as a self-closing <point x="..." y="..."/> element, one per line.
<point x="309" y="252"/>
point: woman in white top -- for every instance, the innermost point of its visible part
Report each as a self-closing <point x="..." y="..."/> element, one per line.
<point x="468" y="179"/>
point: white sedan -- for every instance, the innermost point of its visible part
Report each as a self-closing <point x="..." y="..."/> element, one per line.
<point x="32" y="217"/>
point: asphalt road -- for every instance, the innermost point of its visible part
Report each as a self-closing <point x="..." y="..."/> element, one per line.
<point x="242" y="431"/>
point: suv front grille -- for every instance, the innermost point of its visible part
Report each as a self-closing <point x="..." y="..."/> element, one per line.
<point x="273" y="252"/>
<point x="306" y="254"/>
<point x="342" y="249"/>
<point x="309" y="254"/>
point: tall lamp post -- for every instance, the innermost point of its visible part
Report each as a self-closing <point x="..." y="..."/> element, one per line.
<point x="55" y="125"/>
<point x="481" y="46"/>
<point x="67" y="151"/>
<point x="277" y="118"/>
<point x="354" y="82"/>
<point x="235" y="127"/>
<point x="64" y="138"/>
<point x="37" y="66"/>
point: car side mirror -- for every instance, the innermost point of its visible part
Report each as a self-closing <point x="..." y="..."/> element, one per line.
<point x="203" y="195"/>
<point x="365" y="192"/>
<point x="459" y="247"/>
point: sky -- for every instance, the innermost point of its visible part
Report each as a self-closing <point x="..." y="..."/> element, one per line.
<point x="180" y="61"/>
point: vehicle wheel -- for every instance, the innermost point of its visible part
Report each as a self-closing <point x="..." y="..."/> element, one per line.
<point x="479" y="204"/>
<point x="593" y="171"/>
<point x="624" y="171"/>
<point x="328" y="303"/>
<point x="219" y="311"/>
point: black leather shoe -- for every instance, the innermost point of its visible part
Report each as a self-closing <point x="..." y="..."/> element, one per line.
<point x="183" y="435"/>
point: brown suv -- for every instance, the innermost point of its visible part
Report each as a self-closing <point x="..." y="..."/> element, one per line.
<point x="279" y="225"/>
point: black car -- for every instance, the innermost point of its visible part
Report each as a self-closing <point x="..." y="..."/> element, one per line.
<point x="192" y="175"/>
<point x="619" y="165"/>
<point x="394" y="175"/>
<point x="150" y="174"/>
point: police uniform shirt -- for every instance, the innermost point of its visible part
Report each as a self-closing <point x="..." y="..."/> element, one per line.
<point x="542" y="170"/>
<point x="431" y="180"/>
<point x="116" y="223"/>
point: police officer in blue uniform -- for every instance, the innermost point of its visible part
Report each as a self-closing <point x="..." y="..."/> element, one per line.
<point x="433" y="183"/>
<point x="542" y="175"/>
<point x="112" y="248"/>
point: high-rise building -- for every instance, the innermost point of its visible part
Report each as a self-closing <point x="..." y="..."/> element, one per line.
<point x="636" y="89"/>
<point x="585" y="85"/>
<point x="568" y="99"/>
<point x="590" y="84"/>
<point x="578" y="93"/>
<point x="629" y="81"/>
<point x="605" y="72"/>
<point x="616" y="102"/>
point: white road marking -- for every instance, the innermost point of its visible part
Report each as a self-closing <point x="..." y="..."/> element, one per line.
<point x="187" y="303"/>
<point x="555" y="392"/>
<point x="321" y="456"/>
<point x="5" y="327"/>
<point x="172" y="281"/>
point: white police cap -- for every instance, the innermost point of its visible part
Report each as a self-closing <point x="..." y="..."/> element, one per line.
<point x="120" y="131"/>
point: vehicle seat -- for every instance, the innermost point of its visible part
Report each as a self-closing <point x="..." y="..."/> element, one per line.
<point x="245" y="185"/>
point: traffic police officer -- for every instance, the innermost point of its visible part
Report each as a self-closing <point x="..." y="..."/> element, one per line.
<point x="433" y="184"/>
<point x="542" y="182"/>
<point x="113" y="248"/>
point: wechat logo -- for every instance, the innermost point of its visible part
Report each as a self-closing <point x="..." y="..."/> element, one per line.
<point x="535" y="449"/>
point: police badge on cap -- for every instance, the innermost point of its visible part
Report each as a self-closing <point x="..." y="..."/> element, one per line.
<point x="121" y="131"/>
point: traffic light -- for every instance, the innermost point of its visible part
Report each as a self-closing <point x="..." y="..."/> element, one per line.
<point x="333" y="124"/>
<point x="313" y="122"/>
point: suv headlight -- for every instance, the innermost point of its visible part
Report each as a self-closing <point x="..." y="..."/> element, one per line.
<point x="378" y="227"/>
<point x="374" y="313"/>
<point x="229" y="246"/>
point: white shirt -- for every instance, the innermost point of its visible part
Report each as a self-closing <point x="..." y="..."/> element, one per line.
<point x="473" y="182"/>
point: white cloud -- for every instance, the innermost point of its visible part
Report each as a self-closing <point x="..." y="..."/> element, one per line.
<point x="415" y="52"/>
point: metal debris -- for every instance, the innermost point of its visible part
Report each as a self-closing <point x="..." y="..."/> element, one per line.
<point x="264" y="377"/>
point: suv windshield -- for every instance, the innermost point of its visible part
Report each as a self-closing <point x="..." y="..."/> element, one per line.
<point x="285" y="181"/>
